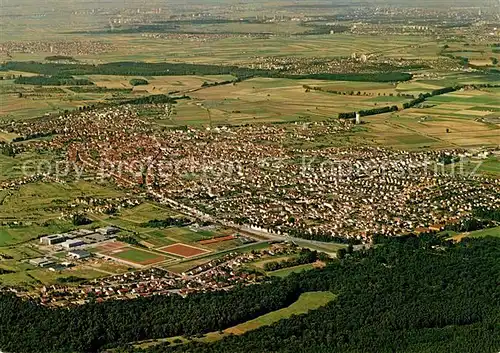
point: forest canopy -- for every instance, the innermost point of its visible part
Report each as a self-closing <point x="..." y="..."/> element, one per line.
<point x="172" y="69"/>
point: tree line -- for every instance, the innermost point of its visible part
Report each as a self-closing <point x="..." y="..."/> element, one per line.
<point x="138" y="82"/>
<point x="367" y="112"/>
<point x="306" y="256"/>
<point x="173" y="69"/>
<point x="52" y="81"/>
<point x="167" y="222"/>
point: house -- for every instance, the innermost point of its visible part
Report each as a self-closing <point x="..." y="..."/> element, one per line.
<point x="436" y="227"/>
<point x="420" y="230"/>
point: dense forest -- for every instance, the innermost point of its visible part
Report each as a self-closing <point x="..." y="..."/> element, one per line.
<point x="367" y="112"/>
<point x="27" y="327"/>
<point x="52" y="81"/>
<point x="167" y="222"/>
<point x="172" y="69"/>
<point x="138" y="82"/>
<point x="305" y="256"/>
<point x="407" y="294"/>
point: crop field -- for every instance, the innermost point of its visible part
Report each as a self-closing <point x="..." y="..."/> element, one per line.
<point x="158" y="84"/>
<point x="144" y="212"/>
<point x="24" y="164"/>
<point x="307" y="301"/>
<point x="7" y="137"/>
<point x="466" y="119"/>
<point x="19" y="101"/>
<point x="26" y="101"/>
<point x="277" y="100"/>
<point x="38" y="201"/>
<point x="183" y="250"/>
<point x="34" y="209"/>
<point x="26" y="275"/>
<point x="11" y="235"/>
<point x="185" y="235"/>
<point x="260" y="263"/>
<point x="240" y="50"/>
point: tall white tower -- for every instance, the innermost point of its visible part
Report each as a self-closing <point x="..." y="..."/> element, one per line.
<point x="358" y="118"/>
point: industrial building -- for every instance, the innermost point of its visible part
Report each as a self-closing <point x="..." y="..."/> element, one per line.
<point x="41" y="262"/>
<point x="53" y="239"/>
<point x="79" y="254"/>
<point x="69" y="244"/>
<point x="107" y="230"/>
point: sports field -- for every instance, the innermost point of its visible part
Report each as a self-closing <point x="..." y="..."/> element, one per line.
<point x="135" y="256"/>
<point x="183" y="250"/>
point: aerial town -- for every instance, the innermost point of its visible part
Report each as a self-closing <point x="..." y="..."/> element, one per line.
<point x="249" y="176"/>
<point x="266" y="183"/>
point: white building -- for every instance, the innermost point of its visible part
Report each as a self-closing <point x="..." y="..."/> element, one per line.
<point x="52" y="239"/>
<point x="69" y="244"/>
<point x="79" y="254"/>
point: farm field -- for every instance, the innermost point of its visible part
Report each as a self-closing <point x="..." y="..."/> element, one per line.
<point x="238" y="51"/>
<point x="20" y="101"/>
<point x="25" y="164"/>
<point x="145" y="212"/>
<point x="459" y="119"/>
<point x="306" y="302"/>
<point x="231" y="242"/>
<point x="260" y="263"/>
<point x="467" y="119"/>
<point x="261" y="100"/>
<point x="7" y="137"/>
<point x="38" y="201"/>
<point x="25" y="101"/>
<point x="35" y="209"/>
<point x="158" y="84"/>
<point x="28" y="276"/>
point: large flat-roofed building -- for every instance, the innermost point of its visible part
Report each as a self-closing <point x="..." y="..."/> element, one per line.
<point x="80" y="233"/>
<point x="95" y="238"/>
<point x="41" y="262"/>
<point x="79" y="254"/>
<point x="52" y="239"/>
<point x="107" y="230"/>
<point x="69" y="244"/>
